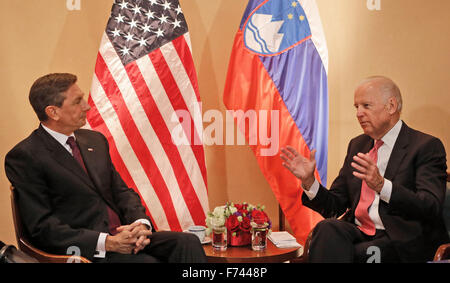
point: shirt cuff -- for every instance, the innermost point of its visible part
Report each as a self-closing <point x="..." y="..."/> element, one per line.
<point x="145" y="222"/>
<point x="313" y="190"/>
<point x="101" y="242"/>
<point x="101" y="247"/>
<point x="386" y="191"/>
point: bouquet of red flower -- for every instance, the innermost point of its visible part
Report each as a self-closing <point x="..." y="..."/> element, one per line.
<point x="237" y="219"/>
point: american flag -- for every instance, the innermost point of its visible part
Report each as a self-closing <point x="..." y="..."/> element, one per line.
<point x="144" y="76"/>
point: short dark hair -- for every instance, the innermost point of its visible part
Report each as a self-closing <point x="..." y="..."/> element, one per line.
<point x="49" y="90"/>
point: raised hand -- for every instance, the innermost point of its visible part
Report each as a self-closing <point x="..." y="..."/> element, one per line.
<point x="302" y="167"/>
<point x="367" y="171"/>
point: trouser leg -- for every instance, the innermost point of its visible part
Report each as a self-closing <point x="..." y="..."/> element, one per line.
<point x="339" y="241"/>
<point x="176" y="247"/>
<point x="332" y="241"/>
<point x="376" y="249"/>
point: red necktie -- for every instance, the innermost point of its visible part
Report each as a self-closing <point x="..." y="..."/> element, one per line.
<point x="366" y="199"/>
<point x="114" y="220"/>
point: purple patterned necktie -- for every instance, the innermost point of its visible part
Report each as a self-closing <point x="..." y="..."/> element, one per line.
<point x="114" y="220"/>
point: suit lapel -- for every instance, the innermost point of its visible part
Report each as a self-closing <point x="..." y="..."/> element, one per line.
<point x="398" y="152"/>
<point x="395" y="160"/>
<point x="63" y="157"/>
<point x="367" y="145"/>
<point x="90" y="155"/>
<point x="66" y="160"/>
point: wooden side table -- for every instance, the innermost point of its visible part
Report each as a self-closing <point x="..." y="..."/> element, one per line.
<point x="245" y="254"/>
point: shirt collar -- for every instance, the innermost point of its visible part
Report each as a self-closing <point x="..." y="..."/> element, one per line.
<point x="390" y="137"/>
<point x="61" y="138"/>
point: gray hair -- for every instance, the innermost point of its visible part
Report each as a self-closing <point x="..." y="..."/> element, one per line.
<point x="388" y="88"/>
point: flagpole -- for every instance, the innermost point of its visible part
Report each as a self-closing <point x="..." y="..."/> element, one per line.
<point x="281" y="219"/>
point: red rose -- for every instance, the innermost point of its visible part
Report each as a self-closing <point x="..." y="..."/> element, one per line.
<point x="232" y="223"/>
<point x="245" y="224"/>
<point x="241" y="208"/>
<point x="259" y="217"/>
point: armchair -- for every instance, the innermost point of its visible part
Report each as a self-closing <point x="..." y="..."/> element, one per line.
<point x="25" y="245"/>
<point x="442" y="253"/>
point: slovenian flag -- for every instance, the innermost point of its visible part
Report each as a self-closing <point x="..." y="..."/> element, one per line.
<point x="278" y="67"/>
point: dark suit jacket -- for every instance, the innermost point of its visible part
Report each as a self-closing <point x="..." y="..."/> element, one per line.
<point x="413" y="217"/>
<point x="61" y="206"/>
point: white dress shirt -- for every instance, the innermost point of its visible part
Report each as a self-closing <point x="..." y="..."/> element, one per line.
<point x="384" y="153"/>
<point x="101" y="242"/>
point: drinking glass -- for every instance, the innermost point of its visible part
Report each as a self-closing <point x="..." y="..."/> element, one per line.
<point x="259" y="236"/>
<point x="219" y="237"/>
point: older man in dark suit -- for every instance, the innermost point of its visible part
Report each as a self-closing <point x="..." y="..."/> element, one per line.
<point x="392" y="183"/>
<point x="70" y="194"/>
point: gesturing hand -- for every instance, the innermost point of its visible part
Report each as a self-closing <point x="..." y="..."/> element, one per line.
<point x="367" y="171"/>
<point x="302" y="168"/>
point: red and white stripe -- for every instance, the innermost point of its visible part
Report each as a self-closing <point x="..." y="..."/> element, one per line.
<point x="133" y="106"/>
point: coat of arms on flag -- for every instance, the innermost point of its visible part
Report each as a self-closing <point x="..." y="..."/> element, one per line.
<point x="279" y="63"/>
<point x="275" y="27"/>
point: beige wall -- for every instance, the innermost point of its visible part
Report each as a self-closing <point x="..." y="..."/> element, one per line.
<point x="407" y="40"/>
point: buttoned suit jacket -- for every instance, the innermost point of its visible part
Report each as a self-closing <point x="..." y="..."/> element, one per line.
<point x="62" y="206"/>
<point x="413" y="218"/>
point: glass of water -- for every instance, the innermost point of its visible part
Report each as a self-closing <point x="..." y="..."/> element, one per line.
<point x="259" y="236"/>
<point x="219" y="237"/>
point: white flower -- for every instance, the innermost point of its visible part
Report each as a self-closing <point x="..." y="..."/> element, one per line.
<point x="219" y="211"/>
<point x="218" y="221"/>
<point x="220" y="214"/>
